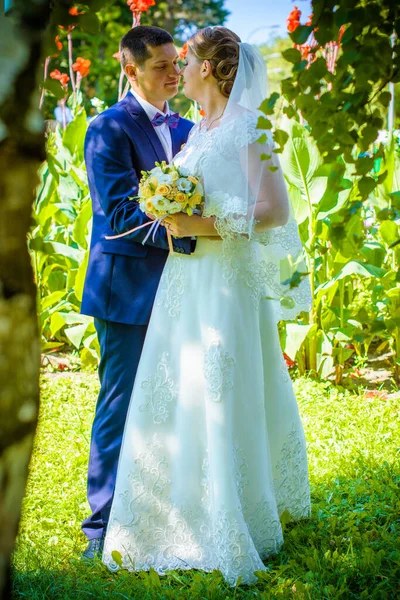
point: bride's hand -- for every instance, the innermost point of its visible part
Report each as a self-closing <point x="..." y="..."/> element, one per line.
<point x="181" y="225"/>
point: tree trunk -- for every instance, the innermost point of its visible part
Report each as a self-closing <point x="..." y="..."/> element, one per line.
<point x="21" y="150"/>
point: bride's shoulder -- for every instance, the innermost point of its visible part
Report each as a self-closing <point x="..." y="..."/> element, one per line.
<point x="241" y="127"/>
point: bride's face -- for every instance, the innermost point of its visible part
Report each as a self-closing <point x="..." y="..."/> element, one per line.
<point x="193" y="80"/>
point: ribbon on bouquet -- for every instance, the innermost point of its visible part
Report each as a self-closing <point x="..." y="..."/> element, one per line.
<point x="154" y="226"/>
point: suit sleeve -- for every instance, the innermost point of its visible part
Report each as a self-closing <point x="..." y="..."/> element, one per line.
<point x="114" y="180"/>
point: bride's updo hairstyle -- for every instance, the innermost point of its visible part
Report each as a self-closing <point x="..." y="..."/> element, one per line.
<point x="219" y="46"/>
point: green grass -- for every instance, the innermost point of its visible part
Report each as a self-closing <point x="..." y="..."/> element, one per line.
<point x="350" y="548"/>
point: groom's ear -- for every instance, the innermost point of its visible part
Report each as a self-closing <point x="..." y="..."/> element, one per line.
<point x="131" y="71"/>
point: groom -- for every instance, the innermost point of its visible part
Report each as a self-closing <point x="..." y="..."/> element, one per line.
<point x="123" y="274"/>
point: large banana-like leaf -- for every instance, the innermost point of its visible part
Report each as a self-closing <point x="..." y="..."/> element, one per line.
<point x="303" y="169"/>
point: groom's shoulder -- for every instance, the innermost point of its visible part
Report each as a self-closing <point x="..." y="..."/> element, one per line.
<point x="110" y="119"/>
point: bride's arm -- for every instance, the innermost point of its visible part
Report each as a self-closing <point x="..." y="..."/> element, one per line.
<point x="271" y="207"/>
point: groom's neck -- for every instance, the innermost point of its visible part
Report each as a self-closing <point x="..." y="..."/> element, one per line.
<point x="156" y="102"/>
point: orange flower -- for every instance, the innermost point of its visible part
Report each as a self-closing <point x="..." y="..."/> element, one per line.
<point x="309" y="22"/>
<point x="341" y="32"/>
<point x="184" y="50"/>
<point x="202" y="113"/>
<point x="293" y="20"/>
<point x="82" y="66"/>
<point x="69" y="28"/>
<point x="289" y="362"/>
<point x="117" y="56"/>
<point x="58" y="43"/>
<point x="75" y="12"/>
<point x="61" y="77"/>
<point x="140" y="5"/>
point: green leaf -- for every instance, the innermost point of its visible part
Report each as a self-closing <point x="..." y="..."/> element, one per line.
<point x="301" y="34"/>
<point x="264" y="123"/>
<point x="74" y="135"/>
<point x="267" y="106"/>
<point x="57" y="322"/>
<point x="389" y="232"/>
<point x="280" y="136"/>
<point x="75" y="334"/>
<point x="295" y="337"/>
<point x="54" y="87"/>
<point x="80" y="276"/>
<point x="51" y="299"/>
<point x="80" y="230"/>
<point x="89" y="22"/>
<point x="384" y="98"/>
<point x="117" y="557"/>
<point x="352" y="268"/>
<point x="366" y="185"/>
<point x="292" y="55"/>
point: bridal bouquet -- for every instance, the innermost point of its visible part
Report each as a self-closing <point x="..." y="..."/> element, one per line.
<point x="169" y="189"/>
<point x="166" y="190"/>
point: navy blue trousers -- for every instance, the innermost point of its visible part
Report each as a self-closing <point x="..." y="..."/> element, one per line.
<point x="120" y="349"/>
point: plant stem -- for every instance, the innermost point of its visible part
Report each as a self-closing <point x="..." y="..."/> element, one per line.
<point x="46" y="69"/>
<point x="70" y="62"/>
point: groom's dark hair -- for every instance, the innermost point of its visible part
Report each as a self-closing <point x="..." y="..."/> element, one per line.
<point x="134" y="46"/>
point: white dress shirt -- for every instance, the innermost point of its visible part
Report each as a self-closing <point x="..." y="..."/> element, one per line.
<point x="163" y="131"/>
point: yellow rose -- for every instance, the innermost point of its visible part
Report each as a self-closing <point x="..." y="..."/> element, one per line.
<point x="150" y="206"/>
<point x="195" y="200"/>
<point x="145" y="191"/>
<point x="164" y="189"/>
<point x="174" y="175"/>
<point x="152" y="181"/>
<point x="181" y="198"/>
<point x="193" y="179"/>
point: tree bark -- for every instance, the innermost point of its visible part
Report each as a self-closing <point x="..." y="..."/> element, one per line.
<point x="21" y="150"/>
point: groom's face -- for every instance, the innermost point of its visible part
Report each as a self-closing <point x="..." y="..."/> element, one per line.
<point x="157" y="78"/>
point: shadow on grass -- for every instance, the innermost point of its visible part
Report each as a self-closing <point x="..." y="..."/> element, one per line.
<point x="348" y="549"/>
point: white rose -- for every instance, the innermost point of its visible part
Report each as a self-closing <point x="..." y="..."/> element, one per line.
<point x="184" y="171"/>
<point x="184" y="185"/>
<point x="174" y="207"/>
<point x="165" y="178"/>
<point x="157" y="172"/>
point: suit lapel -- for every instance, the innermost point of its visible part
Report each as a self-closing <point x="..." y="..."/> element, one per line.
<point x="137" y="113"/>
<point x="176" y="140"/>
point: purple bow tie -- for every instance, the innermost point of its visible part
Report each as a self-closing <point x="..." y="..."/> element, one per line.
<point x="171" y="120"/>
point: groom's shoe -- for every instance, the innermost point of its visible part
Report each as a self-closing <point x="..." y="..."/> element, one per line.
<point x="94" y="549"/>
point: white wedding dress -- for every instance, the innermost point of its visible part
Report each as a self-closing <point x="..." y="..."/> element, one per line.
<point x="214" y="448"/>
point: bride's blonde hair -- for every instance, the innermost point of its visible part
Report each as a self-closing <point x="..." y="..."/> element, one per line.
<point x="219" y="46"/>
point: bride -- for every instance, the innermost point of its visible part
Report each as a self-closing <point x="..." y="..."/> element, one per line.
<point x="214" y="449"/>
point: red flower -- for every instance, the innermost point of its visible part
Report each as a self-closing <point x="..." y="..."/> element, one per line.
<point x="140" y="5"/>
<point x="58" y="43"/>
<point x="75" y="12"/>
<point x="184" y="50"/>
<point x="117" y="56"/>
<point x="61" y="77"/>
<point x="293" y="20"/>
<point x="289" y="362"/>
<point x="82" y="66"/>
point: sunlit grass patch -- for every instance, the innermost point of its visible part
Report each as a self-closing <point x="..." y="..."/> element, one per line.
<point x="350" y="548"/>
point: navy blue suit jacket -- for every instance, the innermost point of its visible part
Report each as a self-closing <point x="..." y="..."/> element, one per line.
<point x="123" y="275"/>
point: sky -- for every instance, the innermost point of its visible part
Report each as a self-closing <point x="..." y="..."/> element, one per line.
<point x="255" y="20"/>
